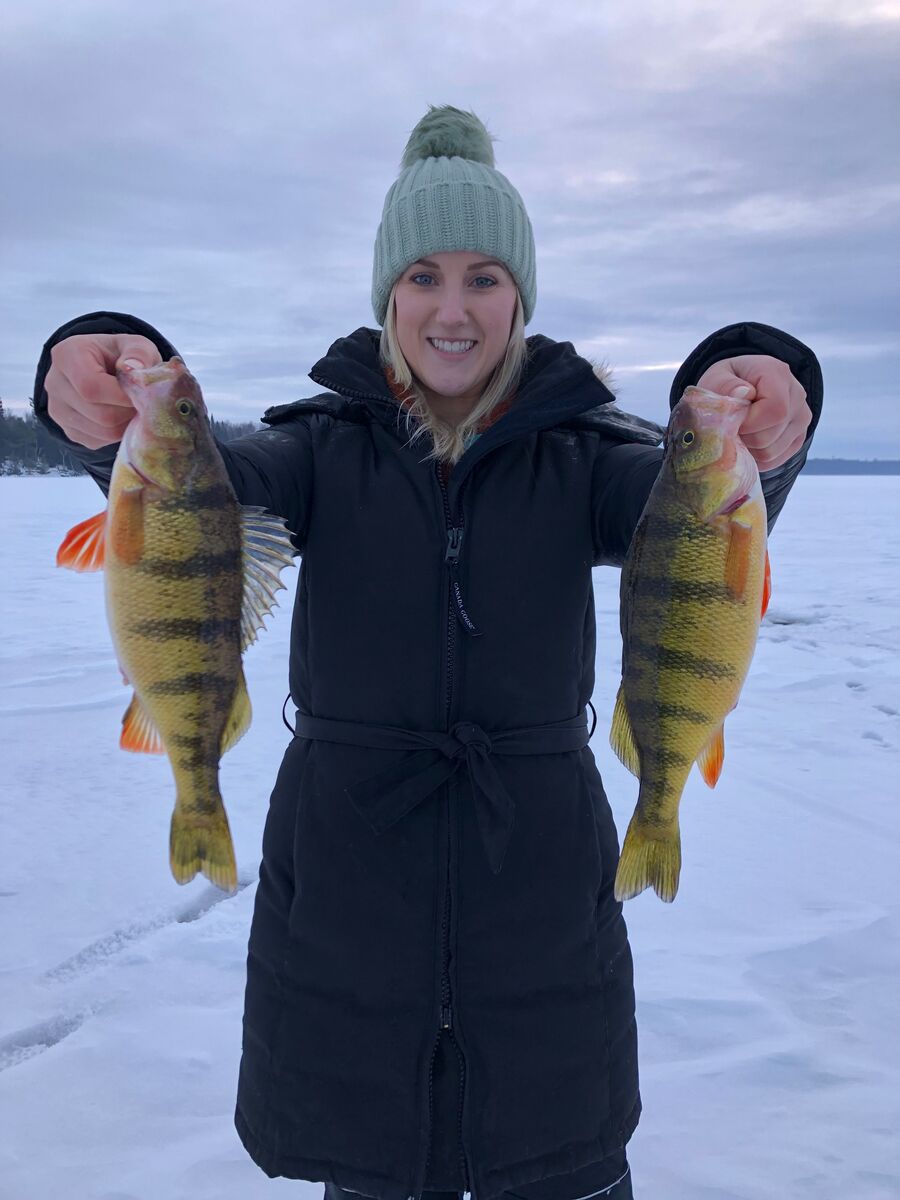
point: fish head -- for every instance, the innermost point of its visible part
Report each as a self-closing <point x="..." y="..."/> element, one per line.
<point x="171" y="422"/>
<point x="714" y="470"/>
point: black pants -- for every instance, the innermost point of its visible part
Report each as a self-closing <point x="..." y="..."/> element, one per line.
<point x="606" y="1180"/>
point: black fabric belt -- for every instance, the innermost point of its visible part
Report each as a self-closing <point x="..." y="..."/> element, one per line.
<point x="389" y="795"/>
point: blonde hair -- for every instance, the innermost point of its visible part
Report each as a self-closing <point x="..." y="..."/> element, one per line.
<point x="449" y="442"/>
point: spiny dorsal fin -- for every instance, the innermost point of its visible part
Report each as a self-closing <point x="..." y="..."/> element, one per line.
<point x="267" y="549"/>
<point x="621" y="736"/>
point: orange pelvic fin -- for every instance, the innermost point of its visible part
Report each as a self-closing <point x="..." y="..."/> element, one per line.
<point x="82" y="549"/>
<point x="139" y="734"/>
<point x="767" y="587"/>
<point x="711" y="757"/>
<point x="126" y="533"/>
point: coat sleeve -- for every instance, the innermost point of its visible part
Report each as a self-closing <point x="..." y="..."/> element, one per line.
<point x="750" y="337"/>
<point x="624" y="474"/>
<point x="271" y="468"/>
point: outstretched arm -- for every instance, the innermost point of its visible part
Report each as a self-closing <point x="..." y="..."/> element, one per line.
<point x="786" y="389"/>
<point x="78" y="400"/>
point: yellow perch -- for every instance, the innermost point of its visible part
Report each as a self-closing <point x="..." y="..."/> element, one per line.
<point x="694" y="587"/>
<point x="190" y="577"/>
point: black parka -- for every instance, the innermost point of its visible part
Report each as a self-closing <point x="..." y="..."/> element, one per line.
<point x="439" y="983"/>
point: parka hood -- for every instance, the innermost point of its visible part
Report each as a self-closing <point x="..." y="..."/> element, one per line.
<point x="557" y="386"/>
<point x="556" y="382"/>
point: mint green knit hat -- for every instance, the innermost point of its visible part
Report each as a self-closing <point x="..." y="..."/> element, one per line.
<point x="449" y="196"/>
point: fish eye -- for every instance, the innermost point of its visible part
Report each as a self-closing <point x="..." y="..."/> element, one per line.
<point x="185" y="407"/>
<point x="687" y="437"/>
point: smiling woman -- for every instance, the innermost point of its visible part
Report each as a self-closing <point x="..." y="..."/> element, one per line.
<point x="454" y="341"/>
<point x="453" y="320"/>
<point x="439" y="983"/>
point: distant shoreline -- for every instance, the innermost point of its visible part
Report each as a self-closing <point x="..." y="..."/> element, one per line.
<point x="814" y="466"/>
<point x="852" y="466"/>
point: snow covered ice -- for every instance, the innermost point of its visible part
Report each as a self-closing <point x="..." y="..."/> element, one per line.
<point x="768" y="993"/>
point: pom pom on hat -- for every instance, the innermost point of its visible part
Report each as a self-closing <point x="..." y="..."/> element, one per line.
<point x="450" y="196"/>
<point x="449" y="132"/>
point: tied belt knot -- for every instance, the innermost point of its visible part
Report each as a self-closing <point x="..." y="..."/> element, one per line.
<point x="465" y="739"/>
<point x="387" y="796"/>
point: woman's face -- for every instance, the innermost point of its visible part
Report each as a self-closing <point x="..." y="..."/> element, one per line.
<point x="459" y="296"/>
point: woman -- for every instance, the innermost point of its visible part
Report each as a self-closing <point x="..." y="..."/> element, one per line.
<point x="439" y="991"/>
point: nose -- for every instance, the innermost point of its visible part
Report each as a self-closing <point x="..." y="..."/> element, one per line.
<point x="451" y="308"/>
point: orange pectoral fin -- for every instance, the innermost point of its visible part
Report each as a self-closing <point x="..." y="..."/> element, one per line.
<point x="767" y="587"/>
<point x="126" y="533"/>
<point x="737" y="564"/>
<point x="82" y="549"/>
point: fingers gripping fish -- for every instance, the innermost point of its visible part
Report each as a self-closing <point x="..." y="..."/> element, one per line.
<point x="694" y="587"/>
<point x="190" y="577"/>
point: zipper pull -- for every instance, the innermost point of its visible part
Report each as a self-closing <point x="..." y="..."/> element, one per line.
<point x="446" y="1017"/>
<point x="451" y="558"/>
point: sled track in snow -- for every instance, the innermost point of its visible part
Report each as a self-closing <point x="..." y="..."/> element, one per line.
<point x="35" y="1039"/>
<point x="21" y="1044"/>
<point x="99" y="952"/>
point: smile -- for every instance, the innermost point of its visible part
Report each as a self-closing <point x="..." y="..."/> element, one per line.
<point x="456" y="349"/>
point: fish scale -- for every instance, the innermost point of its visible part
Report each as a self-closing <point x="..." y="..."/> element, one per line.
<point x="691" y="599"/>
<point x="190" y="576"/>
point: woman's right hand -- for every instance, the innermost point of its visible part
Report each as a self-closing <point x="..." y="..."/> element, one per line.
<point x="83" y="394"/>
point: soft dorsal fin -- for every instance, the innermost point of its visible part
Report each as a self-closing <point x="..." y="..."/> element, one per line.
<point x="621" y="736"/>
<point x="239" y="718"/>
<point x="83" y="547"/>
<point x="267" y="550"/>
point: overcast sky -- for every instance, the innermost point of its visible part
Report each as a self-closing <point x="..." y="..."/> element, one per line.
<point x="219" y="170"/>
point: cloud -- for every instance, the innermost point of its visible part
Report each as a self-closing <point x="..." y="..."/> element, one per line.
<point x="684" y="166"/>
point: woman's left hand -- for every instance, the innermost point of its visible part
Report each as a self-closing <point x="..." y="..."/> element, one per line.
<point x="775" y="427"/>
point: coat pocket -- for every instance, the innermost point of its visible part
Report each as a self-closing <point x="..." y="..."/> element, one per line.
<point x="299" y="850"/>
<point x="602" y="827"/>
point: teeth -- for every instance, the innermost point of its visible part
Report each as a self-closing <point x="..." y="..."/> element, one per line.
<point x="451" y="347"/>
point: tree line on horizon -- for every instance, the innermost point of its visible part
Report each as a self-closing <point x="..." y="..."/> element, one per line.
<point x="26" y="448"/>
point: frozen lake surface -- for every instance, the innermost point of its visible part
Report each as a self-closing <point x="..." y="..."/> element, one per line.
<point x="768" y="993"/>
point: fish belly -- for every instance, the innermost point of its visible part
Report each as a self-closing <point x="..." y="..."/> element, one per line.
<point x="175" y="617"/>
<point x="689" y="642"/>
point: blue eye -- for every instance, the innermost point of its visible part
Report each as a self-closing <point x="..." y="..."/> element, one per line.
<point x="420" y="275"/>
<point x="492" y="282"/>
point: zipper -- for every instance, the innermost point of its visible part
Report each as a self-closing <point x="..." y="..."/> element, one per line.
<point x="455" y="534"/>
<point x="454" y="542"/>
<point x="455" y="612"/>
